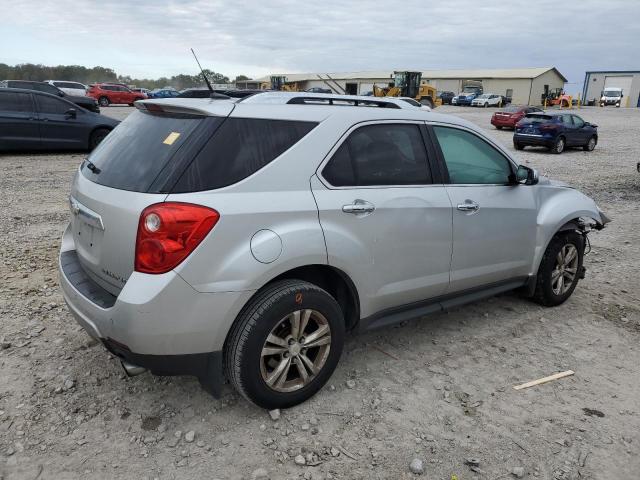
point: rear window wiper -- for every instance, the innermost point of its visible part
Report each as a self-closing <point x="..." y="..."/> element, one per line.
<point x="91" y="166"/>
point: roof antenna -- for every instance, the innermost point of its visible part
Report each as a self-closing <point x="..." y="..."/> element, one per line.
<point x="203" y="75"/>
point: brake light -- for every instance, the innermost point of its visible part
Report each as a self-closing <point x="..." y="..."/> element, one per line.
<point x="168" y="232"/>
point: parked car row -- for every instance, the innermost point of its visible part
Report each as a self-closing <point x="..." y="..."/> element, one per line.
<point x="48" y="87"/>
<point x="32" y="120"/>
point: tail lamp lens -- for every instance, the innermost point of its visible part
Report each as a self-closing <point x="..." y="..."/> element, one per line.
<point x="168" y="232"/>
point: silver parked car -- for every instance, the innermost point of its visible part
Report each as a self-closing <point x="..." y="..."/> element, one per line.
<point x="241" y="240"/>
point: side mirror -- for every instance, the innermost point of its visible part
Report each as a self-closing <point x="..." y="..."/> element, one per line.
<point x="526" y="175"/>
<point x="71" y="113"/>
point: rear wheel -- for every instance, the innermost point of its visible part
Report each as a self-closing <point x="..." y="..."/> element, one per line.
<point x="591" y="144"/>
<point x="97" y="136"/>
<point x="498" y="127"/>
<point x="285" y="344"/>
<point x="558" y="146"/>
<point x="104" y="101"/>
<point x="560" y="269"/>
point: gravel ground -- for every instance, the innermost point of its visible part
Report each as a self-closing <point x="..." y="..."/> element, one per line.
<point x="432" y="395"/>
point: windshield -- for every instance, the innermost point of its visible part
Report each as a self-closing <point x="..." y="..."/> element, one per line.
<point x="484" y="96"/>
<point x="512" y="108"/>
<point x="612" y="93"/>
<point x="137" y="150"/>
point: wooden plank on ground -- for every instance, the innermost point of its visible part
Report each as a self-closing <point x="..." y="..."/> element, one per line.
<point x="550" y="378"/>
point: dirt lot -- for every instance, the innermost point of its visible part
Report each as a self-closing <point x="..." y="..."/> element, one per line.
<point x="438" y="389"/>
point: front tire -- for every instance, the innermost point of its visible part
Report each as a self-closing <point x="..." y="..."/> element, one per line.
<point x="591" y="144"/>
<point x="285" y="344"/>
<point x="498" y="127"/>
<point x="518" y="145"/>
<point x="560" y="269"/>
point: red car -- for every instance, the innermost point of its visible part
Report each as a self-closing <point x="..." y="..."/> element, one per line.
<point x="509" y="116"/>
<point x="108" y="93"/>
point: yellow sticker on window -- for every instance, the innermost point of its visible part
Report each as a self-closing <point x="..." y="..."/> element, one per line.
<point x="172" y="137"/>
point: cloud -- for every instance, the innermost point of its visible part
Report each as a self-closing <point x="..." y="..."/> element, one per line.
<point x="152" y="38"/>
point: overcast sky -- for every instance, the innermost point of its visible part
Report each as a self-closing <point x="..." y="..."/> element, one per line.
<point x="151" y="38"/>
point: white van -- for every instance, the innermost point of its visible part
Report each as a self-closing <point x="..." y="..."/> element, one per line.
<point x="611" y="96"/>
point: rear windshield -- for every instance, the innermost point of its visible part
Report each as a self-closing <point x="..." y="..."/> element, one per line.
<point x="135" y="152"/>
<point x="537" y="118"/>
<point x="512" y="109"/>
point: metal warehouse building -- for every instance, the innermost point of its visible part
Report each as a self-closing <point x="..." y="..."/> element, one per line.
<point x="523" y="85"/>
<point x="628" y="81"/>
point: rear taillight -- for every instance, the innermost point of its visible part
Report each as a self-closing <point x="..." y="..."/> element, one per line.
<point x="168" y="232"/>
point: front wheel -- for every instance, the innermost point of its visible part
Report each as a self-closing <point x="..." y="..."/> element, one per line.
<point x="560" y="269"/>
<point x="518" y="145"/>
<point x="486" y="104"/>
<point x="285" y="344"/>
<point x="591" y="144"/>
<point x="427" y="102"/>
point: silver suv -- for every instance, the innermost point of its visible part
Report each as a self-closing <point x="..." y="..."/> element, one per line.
<point x="241" y="240"/>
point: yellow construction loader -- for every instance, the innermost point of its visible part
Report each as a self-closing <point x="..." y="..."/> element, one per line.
<point x="408" y="84"/>
<point x="279" y="82"/>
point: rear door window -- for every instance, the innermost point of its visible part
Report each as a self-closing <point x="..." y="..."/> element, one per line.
<point x="137" y="150"/>
<point x="15" y="102"/>
<point x="239" y="148"/>
<point x="51" y="105"/>
<point x="383" y="154"/>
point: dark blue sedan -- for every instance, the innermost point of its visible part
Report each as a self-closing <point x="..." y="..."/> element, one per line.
<point x="556" y="131"/>
<point x="163" y="93"/>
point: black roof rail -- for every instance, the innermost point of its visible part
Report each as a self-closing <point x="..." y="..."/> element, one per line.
<point x="342" y="102"/>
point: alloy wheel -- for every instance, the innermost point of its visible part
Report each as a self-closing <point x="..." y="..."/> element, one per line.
<point x="592" y="144"/>
<point x="295" y="350"/>
<point x="560" y="145"/>
<point x="564" y="273"/>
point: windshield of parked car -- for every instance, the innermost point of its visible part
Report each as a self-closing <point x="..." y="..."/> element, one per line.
<point x="612" y="93"/>
<point x="512" y="108"/>
<point x="485" y="96"/>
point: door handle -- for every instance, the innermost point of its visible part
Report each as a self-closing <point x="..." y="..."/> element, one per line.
<point x="359" y="207"/>
<point x="468" y="206"/>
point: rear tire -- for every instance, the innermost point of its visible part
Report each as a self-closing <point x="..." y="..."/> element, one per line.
<point x="266" y="323"/>
<point x="555" y="270"/>
<point x="104" y="101"/>
<point x="498" y="127"/>
<point x="591" y="144"/>
<point x="559" y="145"/>
<point x="97" y="136"/>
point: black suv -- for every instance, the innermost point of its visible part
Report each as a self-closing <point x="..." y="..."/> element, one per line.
<point x="446" y="97"/>
<point x="87" y="103"/>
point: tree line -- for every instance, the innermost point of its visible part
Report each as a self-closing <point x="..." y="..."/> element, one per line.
<point x="79" y="73"/>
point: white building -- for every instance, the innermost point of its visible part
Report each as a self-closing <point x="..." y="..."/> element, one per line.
<point x="523" y="85"/>
<point x="628" y="81"/>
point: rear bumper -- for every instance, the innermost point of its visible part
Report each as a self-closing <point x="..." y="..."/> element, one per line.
<point x="497" y="122"/>
<point x="535" y="140"/>
<point x="206" y="367"/>
<point x="152" y="314"/>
